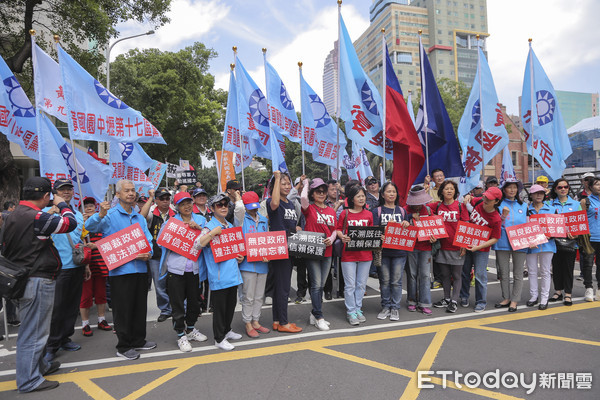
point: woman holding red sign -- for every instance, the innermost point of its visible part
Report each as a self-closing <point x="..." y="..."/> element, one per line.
<point x="449" y="257"/>
<point x="319" y="218"/>
<point x="355" y="264"/>
<point x="223" y="277"/>
<point x="563" y="261"/>
<point x="514" y="212"/>
<point x="539" y="258"/>
<point x="183" y="277"/>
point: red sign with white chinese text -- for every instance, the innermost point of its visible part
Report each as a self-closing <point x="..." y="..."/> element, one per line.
<point x="178" y="237"/>
<point x="470" y="235"/>
<point x="431" y="226"/>
<point x="123" y="246"/>
<point x="269" y="245"/>
<point x="553" y="225"/>
<point x="577" y="223"/>
<point x="399" y="238"/>
<point x="525" y="235"/>
<point x="229" y="244"/>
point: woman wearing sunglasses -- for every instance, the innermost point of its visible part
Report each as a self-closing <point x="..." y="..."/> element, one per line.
<point x="563" y="261"/>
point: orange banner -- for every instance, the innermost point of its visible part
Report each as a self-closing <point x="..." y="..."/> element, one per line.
<point x="228" y="172"/>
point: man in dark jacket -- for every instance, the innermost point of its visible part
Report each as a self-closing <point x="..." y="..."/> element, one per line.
<point x="26" y="242"/>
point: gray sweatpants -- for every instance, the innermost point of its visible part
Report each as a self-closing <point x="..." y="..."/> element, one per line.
<point x="518" y="261"/>
<point x="253" y="294"/>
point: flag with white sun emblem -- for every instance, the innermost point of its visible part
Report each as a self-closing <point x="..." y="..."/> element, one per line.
<point x="543" y="124"/>
<point x="94" y="113"/>
<point x="129" y="161"/>
<point x="282" y="114"/>
<point x="481" y="130"/>
<point x="361" y="103"/>
<point x="17" y="115"/>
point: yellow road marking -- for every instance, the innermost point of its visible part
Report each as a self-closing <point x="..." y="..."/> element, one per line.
<point x="538" y="335"/>
<point x="178" y="365"/>
<point x="156" y="383"/>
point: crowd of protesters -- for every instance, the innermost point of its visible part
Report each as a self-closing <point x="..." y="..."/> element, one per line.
<point x="42" y="231"/>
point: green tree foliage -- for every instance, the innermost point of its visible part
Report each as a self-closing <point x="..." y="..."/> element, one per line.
<point x="455" y="96"/>
<point x="176" y="93"/>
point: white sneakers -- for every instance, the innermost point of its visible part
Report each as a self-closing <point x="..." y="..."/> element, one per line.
<point x="231" y="335"/>
<point x="196" y="335"/>
<point x="224" y="345"/>
<point x="320" y="324"/>
<point x="589" y="294"/>
<point x="184" y="344"/>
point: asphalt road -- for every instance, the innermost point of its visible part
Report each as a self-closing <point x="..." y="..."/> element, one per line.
<point x="557" y="352"/>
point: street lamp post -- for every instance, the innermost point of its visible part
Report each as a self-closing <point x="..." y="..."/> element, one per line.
<point x="102" y="146"/>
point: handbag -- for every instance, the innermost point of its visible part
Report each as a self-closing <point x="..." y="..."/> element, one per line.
<point x="13" y="279"/>
<point x="338" y="245"/>
<point x="82" y="255"/>
<point x="564" y="244"/>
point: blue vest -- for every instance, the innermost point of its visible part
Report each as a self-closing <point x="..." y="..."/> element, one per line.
<point x="249" y="226"/>
<point x="546" y="247"/>
<point x="517" y="216"/>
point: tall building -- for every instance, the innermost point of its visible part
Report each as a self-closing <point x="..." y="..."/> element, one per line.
<point x="449" y="30"/>
<point x="330" y="76"/>
<point x="575" y="106"/>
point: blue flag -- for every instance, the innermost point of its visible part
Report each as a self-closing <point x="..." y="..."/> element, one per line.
<point x="360" y="101"/>
<point x="320" y="131"/>
<point x="231" y="133"/>
<point x="129" y="163"/>
<point x="17" y="115"/>
<point x="155" y="175"/>
<point x="481" y="131"/>
<point x="253" y="118"/>
<point x="361" y="163"/>
<point x="433" y="121"/>
<point x="282" y="114"/>
<point x="508" y="171"/>
<point x="94" y="113"/>
<point x="57" y="162"/>
<point x="551" y="146"/>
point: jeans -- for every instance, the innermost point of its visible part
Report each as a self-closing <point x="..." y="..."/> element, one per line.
<point x="478" y="259"/>
<point x="317" y="273"/>
<point x="390" y="281"/>
<point x="419" y="282"/>
<point x="356" y="274"/>
<point x="160" y="286"/>
<point x="35" y="312"/>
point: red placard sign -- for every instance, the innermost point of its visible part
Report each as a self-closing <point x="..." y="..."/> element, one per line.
<point x="525" y="235"/>
<point x="577" y="223"/>
<point x="123" y="246"/>
<point x="470" y="235"/>
<point x="553" y="225"/>
<point x="431" y="226"/>
<point x="399" y="238"/>
<point x="229" y="244"/>
<point x="269" y="245"/>
<point x="178" y="237"/>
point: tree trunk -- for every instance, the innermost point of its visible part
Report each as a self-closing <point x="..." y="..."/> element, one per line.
<point x="10" y="186"/>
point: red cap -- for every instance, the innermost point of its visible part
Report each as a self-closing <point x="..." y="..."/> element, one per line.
<point x="179" y="197"/>
<point x="493" y="193"/>
<point x="251" y="200"/>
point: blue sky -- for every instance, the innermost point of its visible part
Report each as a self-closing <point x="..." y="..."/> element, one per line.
<point x="565" y="39"/>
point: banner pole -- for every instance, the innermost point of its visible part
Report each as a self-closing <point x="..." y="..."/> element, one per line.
<point x="384" y="91"/>
<point x="302" y="121"/>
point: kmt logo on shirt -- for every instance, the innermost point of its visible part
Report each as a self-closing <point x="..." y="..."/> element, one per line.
<point x="449" y="216"/>
<point x="290" y="214"/>
<point x="477" y="219"/>
<point x="385" y="218"/>
<point x="358" y="222"/>
<point x="325" y="219"/>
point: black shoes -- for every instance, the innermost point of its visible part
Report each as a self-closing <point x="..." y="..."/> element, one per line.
<point x="328" y="296"/>
<point x="46" y="385"/>
<point x="500" y="305"/>
<point x="54" y="366"/>
<point x="532" y="303"/>
<point x="543" y="306"/>
<point x="163" y="317"/>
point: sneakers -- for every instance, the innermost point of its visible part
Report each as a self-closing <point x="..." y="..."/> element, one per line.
<point x="130" y="354"/>
<point x="104" y="326"/>
<point x="353" y="319"/>
<point x="163" y="317"/>
<point x="184" y="344"/>
<point x="14" y="322"/>
<point x="464" y="303"/>
<point x="443" y="303"/>
<point x="452" y="307"/>
<point x="425" y="310"/>
<point x="412" y="308"/>
<point x="479" y="308"/>
<point x="360" y="316"/>
<point x="299" y="300"/>
<point x="45" y="385"/>
<point x="196" y="335"/>
<point x="147" y="346"/>
<point x="54" y="366"/>
<point x="70" y="346"/>
<point x="384" y="313"/>
<point x="321" y="324"/>
<point x="86" y="330"/>
<point x="231" y="335"/>
<point x="224" y="345"/>
<point x="589" y="294"/>
<point x="436" y="285"/>
<point x="394" y="314"/>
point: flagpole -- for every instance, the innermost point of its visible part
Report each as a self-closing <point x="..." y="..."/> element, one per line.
<point x="424" y="102"/>
<point x="302" y="119"/>
<point x="339" y="93"/>
<point x="480" y="112"/>
<point x="271" y="137"/>
<point x="167" y="175"/>
<point x="384" y="91"/>
<point x="532" y="94"/>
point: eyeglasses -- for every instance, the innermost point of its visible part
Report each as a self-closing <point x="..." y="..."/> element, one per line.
<point x="320" y="192"/>
<point x="562" y="187"/>
<point x="220" y="205"/>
